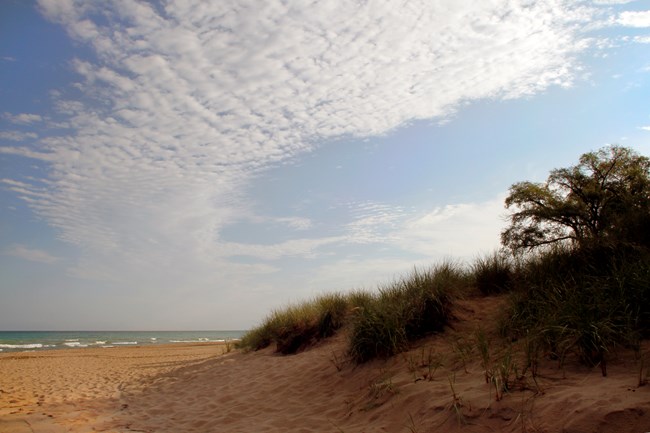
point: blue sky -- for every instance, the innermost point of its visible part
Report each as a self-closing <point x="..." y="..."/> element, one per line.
<point x="169" y="165"/>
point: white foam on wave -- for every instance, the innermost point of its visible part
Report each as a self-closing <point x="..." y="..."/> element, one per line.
<point x="74" y="344"/>
<point x="100" y="342"/>
<point x="199" y="340"/>
<point x="22" y="346"/>
<point x="124" y="342"/>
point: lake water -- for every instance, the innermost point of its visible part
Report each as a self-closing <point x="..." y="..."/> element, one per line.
<point x="14" y="341"/>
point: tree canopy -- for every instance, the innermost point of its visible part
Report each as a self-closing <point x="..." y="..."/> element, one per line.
<point x="605" y="198"/>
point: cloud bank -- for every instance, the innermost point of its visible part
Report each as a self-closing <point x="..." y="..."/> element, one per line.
<point x="184" y="103"/>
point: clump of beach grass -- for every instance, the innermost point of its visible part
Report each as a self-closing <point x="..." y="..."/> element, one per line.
<point x="381" y="324"/>
<point x="297" y="326"/>
<point x="405" y="311"/>
<point x="493" y="273"/>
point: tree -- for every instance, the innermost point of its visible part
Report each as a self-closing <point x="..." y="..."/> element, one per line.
<point x="605" y="199"/>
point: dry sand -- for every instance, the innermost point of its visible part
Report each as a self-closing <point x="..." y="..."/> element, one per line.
<point x="77" y="389"/>
<point x="192" y="389"/>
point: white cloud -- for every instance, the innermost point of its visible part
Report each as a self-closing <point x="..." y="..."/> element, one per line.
<point x="27" y="153"/>
<point x="33" y="255"/>
<point x="458" y="230"/>
<point x="374" y="222"/>
<point x="612" y="2"/>
<point x="362" y="273"/>
<point x="634" y="19"/>
<point x="645" y="128"/>
<point x="642" y="39"/>
<point x="22" y="118"/>
<point x="296" y="223"/>
<point x="304" y="248"/>
<point x="23" y="189"/>
<point x="17" y="135"/>
<point x="186" y="104"/>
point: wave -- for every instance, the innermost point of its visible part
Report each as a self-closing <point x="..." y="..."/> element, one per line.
<point x="198" y="340"/>
<point x="124" y="342"/>
<point x="74" y="344"/>
<point x="22" y="346"/>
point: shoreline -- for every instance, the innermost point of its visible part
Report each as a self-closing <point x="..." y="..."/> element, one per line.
<point x="25" y="341"/>
<point x="115" y="346"/>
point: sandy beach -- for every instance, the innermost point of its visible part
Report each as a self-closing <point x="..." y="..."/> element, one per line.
<point x="80" y="389"/>
<point x="196" y="388"/>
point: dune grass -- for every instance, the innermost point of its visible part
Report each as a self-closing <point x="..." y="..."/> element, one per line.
<point x="407" y="310"/>
<point x="298" y="326"/>
<point x="562" y="302"/>
<point x="381" y="324"/>
<point x="585" y="302"/>
<point x="493" y="273"/>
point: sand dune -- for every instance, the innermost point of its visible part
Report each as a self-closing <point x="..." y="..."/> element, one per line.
<point x="437" y="386"/>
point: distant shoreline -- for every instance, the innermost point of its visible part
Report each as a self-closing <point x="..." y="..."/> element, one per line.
<point x="94" y="351"/>
<point x="41" y="341"/>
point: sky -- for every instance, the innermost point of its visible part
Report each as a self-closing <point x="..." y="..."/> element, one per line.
<point x="181" y="165"/>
